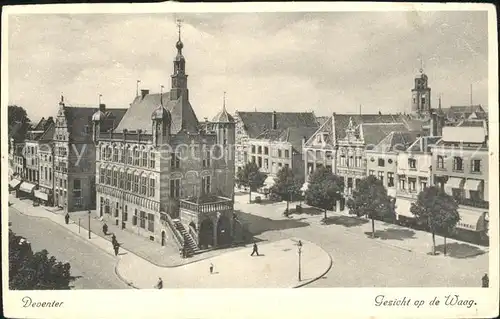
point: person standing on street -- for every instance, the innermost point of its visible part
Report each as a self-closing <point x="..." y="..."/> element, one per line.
<point x="105" y="229"/>
<point x="66" y="218"/>
<point x="255" y="250"/>
<point x="116" y="247"/>
<point x="486" y="281"/>
<point x="159" y="285"/>
<point x="113" y="240"/>
<point x="211" y="269"/>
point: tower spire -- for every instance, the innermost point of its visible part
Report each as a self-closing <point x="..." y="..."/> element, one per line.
<point x="224" y="102"/>
<point x="421" y="70"/>
<point x="137" y="87"/>
<point x="161" y="94"/>
<point x="439" y="106"/>
<point x="100" y="96"/>
<point x="179" y="25"/>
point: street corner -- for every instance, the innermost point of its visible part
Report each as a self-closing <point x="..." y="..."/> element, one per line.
<point x="276" y="265"/>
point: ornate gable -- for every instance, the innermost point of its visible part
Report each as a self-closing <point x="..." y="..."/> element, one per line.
<point x="323" y="137"/>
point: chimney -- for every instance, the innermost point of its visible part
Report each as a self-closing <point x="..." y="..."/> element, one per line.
<point x="144" y="93"/>
<point x="102" y="107"/>
<point x="274" y="121"/>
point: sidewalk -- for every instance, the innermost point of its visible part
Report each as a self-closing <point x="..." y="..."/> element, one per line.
<point x="276" y="267"/>
<point x="234" y="269"/>
<point x="386" y="234"/>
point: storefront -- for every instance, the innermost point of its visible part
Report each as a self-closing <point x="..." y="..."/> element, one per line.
<point x="26" y="190"/>
<point x="43" y="196"/>
<point x="14" y="184"/>
<point x="473" y="225"/>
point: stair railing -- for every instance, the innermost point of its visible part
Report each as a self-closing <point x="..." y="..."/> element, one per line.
<point x="178" y="237"/>
<point x="193" y="235"/>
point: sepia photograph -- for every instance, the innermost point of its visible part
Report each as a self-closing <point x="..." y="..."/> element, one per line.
<point x="164" y="150"/>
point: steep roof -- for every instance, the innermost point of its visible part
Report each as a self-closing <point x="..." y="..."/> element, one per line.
<point x="471" y="123"/>
<point x="138" y="116"/>
<point x="257" y="122"/>
<point x="223" y="116"/>
<point x="294" y="136"/>
<point x="48" y="135"/>
<point x="322" y="119"/>
<point x="424" y="144"/>
<point x="373" y="133"/>
<point x="341" y="121"/>
<point x="397" y="141"/>
<point x="457" y="112"/>
<point x="79" y="120"/>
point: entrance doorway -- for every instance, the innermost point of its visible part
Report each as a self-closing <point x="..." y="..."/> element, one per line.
<point x="206" y="233"/>
<point x="223" y="231"/>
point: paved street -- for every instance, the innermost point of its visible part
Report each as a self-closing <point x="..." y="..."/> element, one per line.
<point x="362" y="261"/>
<point x="93" y="267"/>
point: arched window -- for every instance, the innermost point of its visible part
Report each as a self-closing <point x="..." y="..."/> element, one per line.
<point x="136" y="183"/>
<point x="129" y="181"/>
<point x="136" y="156"/>
<point x="115" y="154"/>
<point x="144" y="184"/>
<point x="108" y="176"/>
<point x="152" y="159"/>
<point x="144" y="159"/>
<point x="152" y="186"/>
<point x="115" y="177"/>
<point x="103" y="153"/>
<point x="102" y="173"/>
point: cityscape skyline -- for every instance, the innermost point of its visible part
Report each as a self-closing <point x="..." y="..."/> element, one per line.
<point x="253" y="57"/>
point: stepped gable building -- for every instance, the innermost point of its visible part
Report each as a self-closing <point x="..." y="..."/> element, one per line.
<point x="74" y="155"/>
<point x="164" y="175"/>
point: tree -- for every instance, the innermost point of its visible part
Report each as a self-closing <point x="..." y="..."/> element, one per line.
<point x="370" y="199"/>
<point x="250" y="176"/>
<point x="286" y="185"/>
<point x="35" y="271"/>
<point x="324" y="190"/>
<point x="18" y="122"/>
<point x="438" y="211"/>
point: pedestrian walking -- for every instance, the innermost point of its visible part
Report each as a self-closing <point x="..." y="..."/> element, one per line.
<point x="255" y="250"/>
<point x="116" y="248"/>
<point x="211" y="269"/>
<point x="105" y="229"/>
<point x="159" y="285"/>
<point x="486" y="281"/>
<point x="113" y="239"/>
<point x="66" y="218"/>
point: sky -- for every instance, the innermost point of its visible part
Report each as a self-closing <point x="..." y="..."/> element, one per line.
<point x="323" y="62"/>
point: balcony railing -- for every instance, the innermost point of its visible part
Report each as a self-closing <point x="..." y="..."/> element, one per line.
<point x="207" y="205"/>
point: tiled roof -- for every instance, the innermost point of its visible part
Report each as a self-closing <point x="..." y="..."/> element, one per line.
<point x="138" y="116"/>
<point x="458" y="112"/>
<point x="78" y="118"/>
<point x="424" y="143"/>
<point x="373" y="133"/>
<point x="223" y="117"/>
<point x="48" y="135"/>
<point x="257" y="122"/>
<point x="341" y="121"/>
<point x="397" y="141"/>
<point x="294" y="136"/>
<point x="471" y="123"/>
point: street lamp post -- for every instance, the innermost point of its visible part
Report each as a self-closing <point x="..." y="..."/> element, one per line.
<point x="89" y="224"/>
<point x="299" y="245"/>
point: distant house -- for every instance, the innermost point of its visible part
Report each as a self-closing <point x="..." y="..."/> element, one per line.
<point x="273" y="139"/>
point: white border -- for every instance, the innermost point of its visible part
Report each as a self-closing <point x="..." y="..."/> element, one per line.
<point x="246" y="303"/>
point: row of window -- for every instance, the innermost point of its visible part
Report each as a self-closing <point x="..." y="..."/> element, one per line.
<point x="46" y="173"/>
<point x="265" y="163"/>
<point x="138" y="184"/>
<point x="351" y="161"/>
<point x="279" y="153"/>
<point x="458" y="164"/>
<point x="138" y="219"/>
<point x="128" y="156"/>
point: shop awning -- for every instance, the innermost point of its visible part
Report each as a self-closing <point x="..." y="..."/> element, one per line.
<point x="472" y="184"/>
<point x="304" y="187"/>
<point x="454" y="182"/>
<point x="26" y="187"/>
<point x="41" y="195"/>
<point x="14" y="183"/>
<point x="403" y="208"/>
<point x="269" y="182"/>
<point x="471" y="220"/>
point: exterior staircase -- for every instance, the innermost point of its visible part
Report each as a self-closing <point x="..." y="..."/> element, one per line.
<point x="191" y="245"/>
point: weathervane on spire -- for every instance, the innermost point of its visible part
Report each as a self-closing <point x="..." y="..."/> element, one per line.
<point x="421" y="64"/>
<point x="179" y="25"/>
<point x="161" y="94"/>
